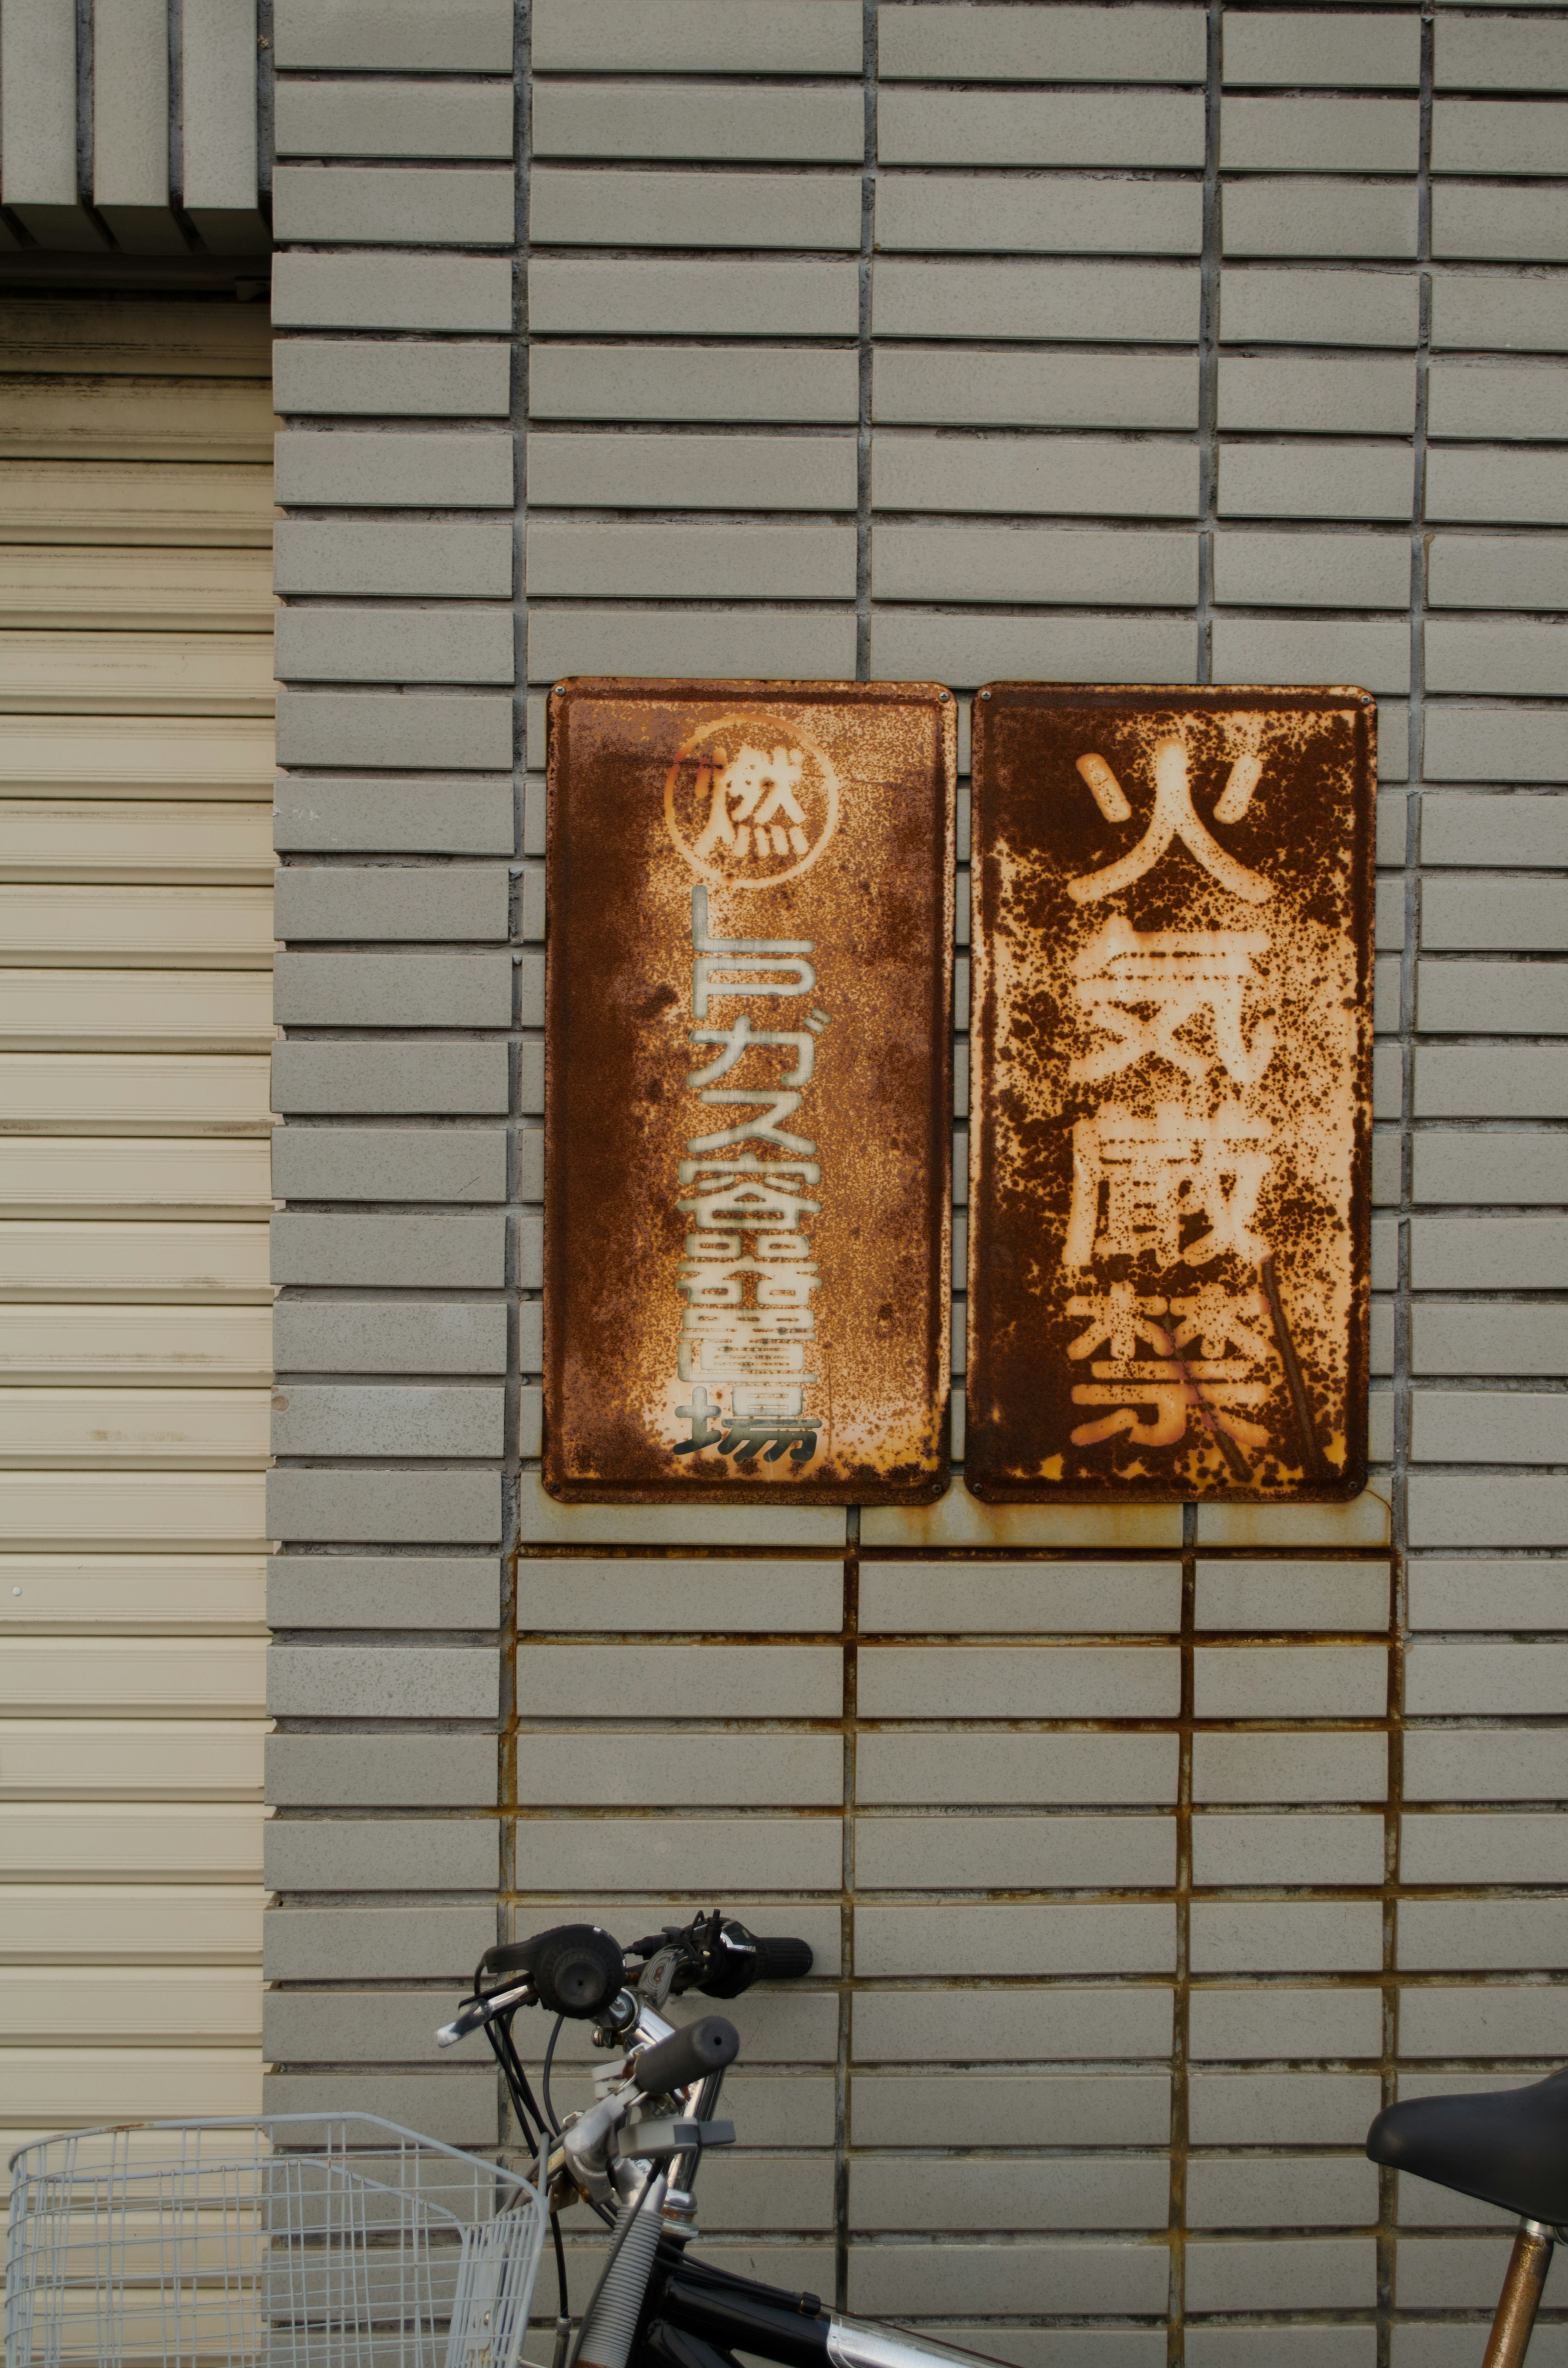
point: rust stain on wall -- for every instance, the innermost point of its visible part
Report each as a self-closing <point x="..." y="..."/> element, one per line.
<point x="1170" y="1140"/>
<point x="748" y="1092"/>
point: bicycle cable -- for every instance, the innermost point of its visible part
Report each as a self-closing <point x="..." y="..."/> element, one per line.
<point x="544" y="2076"/>
<point x="493" y="2038"/>
<point x="547" y="2121"/>
<point x="565" y="2312"/>
<point x="524" y="2102"/>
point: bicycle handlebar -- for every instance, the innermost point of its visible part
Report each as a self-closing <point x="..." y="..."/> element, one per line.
<point x="688" y="2056"/>
<point x="577" y="1971"/>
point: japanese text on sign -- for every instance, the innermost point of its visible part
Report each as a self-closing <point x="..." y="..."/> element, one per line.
<point x="749" y="1274"/>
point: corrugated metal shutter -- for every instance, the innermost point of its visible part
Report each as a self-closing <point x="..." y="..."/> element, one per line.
<point x="135" y="1022"/>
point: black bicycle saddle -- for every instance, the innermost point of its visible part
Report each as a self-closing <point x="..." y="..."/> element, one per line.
<point x="1508" y="2147"/>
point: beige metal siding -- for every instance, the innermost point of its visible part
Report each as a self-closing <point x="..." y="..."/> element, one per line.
<point x="135" y="1022"/>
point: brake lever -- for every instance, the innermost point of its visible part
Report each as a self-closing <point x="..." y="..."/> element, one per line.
<point x="479" y="2012"/>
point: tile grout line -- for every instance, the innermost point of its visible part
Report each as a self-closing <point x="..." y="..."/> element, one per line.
<point x="850" y="1616"/>
<point x="1388" y="2183"/>
<point x="863" y="342"/>
<point x="1208" y="501"/>
<point x="1176" y="2337"/>
<point x="1209" y="327"/>
<point x="506" y="1771"/>
<point x="850" y="1609"/>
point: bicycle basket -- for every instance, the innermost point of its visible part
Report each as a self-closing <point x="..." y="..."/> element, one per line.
<point x="319" y="2240"/>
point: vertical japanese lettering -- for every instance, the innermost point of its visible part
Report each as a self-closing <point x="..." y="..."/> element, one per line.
<point x="749" y="1277"/>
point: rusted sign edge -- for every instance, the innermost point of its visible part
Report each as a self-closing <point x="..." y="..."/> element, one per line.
<point x="1361" y="902"/>
<point x="692" y="689"/>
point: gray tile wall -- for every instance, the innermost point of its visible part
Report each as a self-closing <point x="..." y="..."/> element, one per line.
<point x="1143" y="1855"/>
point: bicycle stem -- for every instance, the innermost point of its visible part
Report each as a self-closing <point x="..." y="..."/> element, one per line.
<point x="584" y="2148"/>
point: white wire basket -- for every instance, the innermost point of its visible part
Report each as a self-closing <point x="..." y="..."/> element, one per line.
<point x="296" y="2241"/>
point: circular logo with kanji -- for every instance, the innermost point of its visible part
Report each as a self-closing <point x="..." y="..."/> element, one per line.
<point x="750" y="803"/>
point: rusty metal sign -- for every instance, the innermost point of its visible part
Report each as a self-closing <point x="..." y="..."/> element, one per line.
<point x="1171" y="1128"/>
<point x="748" y="1092"/>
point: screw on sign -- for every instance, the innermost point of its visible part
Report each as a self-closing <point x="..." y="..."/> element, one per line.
<point x="749" y="1087"/>
<point x="1170" y="1148"/>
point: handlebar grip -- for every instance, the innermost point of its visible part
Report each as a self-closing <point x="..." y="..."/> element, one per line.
<point x="686" y="2056"/>
<point x="783" y="1961"/>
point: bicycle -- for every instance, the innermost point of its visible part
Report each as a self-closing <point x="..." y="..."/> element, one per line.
<point x="655" y="2307"/>
<point x="318" y="2238"/>
<point x="1508" y="2147"/>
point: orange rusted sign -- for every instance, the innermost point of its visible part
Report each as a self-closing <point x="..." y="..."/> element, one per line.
<point x="1171" y="1130"/>
<point x="748" y="1092"/>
